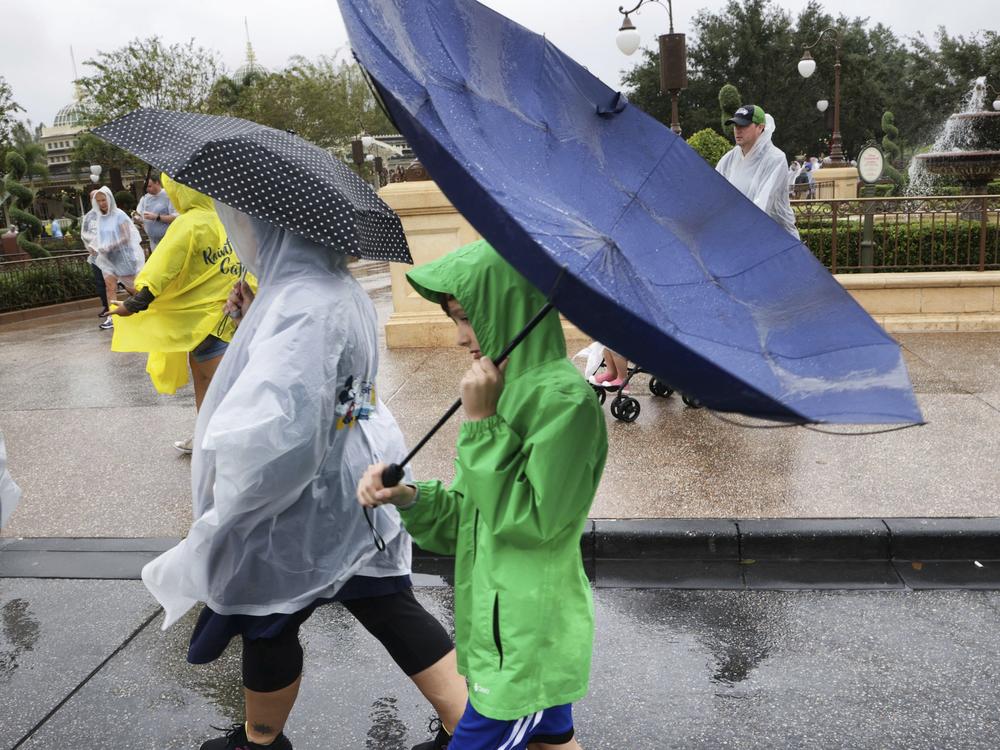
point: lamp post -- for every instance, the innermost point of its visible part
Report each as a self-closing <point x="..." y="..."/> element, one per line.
<point x="673" y="55"/>
<point x="807" y="66"/>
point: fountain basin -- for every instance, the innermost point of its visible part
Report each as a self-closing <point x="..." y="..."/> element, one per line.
<point x="973" y="168"/>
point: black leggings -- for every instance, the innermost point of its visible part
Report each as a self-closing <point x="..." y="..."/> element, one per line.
<point x="102" y="289"/>
<point x="411" y="635"/>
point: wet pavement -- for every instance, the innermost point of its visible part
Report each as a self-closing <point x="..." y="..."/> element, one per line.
<point x="83" y="662"/>
<point x="672" y="669"/>
<point x="90" y="441"/>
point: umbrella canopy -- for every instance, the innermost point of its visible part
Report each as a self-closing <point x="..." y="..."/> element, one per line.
<point x="665" y="261"/>
<point x="270" y="174"/>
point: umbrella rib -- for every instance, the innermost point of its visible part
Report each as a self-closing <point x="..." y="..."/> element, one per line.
<point x="635" y="195"/>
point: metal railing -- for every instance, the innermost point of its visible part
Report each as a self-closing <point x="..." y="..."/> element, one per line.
<point x="928" y="233"/>
<point x="45" y="281"/>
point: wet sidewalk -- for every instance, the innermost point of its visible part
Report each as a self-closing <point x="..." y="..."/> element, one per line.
<point x="84" y="663"/>
<point x="90" y="441"/>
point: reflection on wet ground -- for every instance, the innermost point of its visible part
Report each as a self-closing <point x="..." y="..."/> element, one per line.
<point x="672" y="670"/>
<point x="387" y="731"/>
<point x="20" y="634"/>
<point x="62" y="386"/>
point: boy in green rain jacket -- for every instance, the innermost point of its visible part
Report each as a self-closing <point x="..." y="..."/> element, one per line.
<point x="529" y="461"/>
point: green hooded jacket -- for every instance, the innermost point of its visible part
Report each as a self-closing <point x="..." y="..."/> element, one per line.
<point x="513" y="517"/>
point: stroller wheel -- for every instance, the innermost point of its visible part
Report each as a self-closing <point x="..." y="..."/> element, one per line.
<point x="629" y="410"/>
<point x="690" y="401"/>
<point x="658" y="388"/>
<point x="600" y="393"/>
<point x="625" y="408"/>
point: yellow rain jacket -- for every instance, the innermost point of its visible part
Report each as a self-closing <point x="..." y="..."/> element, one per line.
<point x="190" y="275"/>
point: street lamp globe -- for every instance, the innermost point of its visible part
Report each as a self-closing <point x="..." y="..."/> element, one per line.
<point x="822" y="105"/>
<point x="996" y="104"/>
<point x="807" y="66"/>
<point x="367" y="141"/>
<point x="628" y="37"/>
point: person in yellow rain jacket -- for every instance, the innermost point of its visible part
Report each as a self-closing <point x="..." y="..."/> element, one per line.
<point x="176" y="313"/>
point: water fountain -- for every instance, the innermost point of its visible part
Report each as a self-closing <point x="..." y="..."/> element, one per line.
<point x="968" y="149"/>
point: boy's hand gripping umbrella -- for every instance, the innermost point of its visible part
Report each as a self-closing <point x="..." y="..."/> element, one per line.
<point x="392" y="475"/>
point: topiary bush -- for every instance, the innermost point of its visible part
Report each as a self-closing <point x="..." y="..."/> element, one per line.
<point x="125" y="200"/>
<point x="710" y="145"/>
<point x="28" y="225"/>
<point x="729" y="102"/>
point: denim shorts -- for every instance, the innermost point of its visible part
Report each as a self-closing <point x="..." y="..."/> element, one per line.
<point x="210" y="348"/>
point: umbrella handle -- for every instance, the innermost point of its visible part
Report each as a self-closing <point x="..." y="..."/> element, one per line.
<point x="392" y="475"/>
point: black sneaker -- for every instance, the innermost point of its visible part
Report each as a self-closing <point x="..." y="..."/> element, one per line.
<point x="236" y="739"/>
<point x="440" y="742"/>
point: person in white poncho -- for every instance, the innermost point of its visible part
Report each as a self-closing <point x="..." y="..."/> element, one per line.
<point x="758" y="168"/>
<point x="10" y="493"/>
<point x="117" y="242"/>
<point x="285" y="431"/>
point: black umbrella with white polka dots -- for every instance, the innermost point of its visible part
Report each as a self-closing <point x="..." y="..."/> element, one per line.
<point x="270" y="174"/>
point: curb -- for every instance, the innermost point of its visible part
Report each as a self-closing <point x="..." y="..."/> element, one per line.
<point x="48" y="311"/>
<point x="696" y="553"/>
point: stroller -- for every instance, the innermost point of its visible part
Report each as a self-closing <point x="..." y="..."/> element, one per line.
<point x="623" y="407"/>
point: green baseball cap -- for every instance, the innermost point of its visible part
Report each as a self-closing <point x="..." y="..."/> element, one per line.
<point x="746" y="114"/>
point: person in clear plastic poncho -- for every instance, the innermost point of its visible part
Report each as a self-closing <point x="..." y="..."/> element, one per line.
<point x="117" y="242"/>
<point x="88" y="233"/>
<point x="289" y="423"/>
<point x="758" y="168"/>
<point x="10" y="493"/>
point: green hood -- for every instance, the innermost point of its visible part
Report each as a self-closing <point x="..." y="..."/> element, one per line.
<point x="499" y="303"/>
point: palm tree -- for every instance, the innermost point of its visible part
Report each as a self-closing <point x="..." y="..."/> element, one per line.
<point x="26" y="144"/>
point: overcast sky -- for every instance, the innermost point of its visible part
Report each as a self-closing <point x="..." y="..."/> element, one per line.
<point x="36" y="60"/>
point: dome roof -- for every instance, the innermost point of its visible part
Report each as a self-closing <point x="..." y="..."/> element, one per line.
<point x="249" y="68"/>
<point x="69" y="116"/>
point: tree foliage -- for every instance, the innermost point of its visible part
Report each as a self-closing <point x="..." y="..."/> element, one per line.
<point x="323" y="100"/>
<point x="8" y="107"/>
<point x="147" y="73"/>
<point x="710" y="145"/>
<point x="755" y="45"/>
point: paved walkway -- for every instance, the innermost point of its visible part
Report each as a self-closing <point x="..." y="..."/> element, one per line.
<point x="90" y="441"/>
<point x="84" y="664"/>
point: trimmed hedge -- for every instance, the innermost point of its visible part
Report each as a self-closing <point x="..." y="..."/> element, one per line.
<point x="39" y="283"/>
<point x="948" y="245"/>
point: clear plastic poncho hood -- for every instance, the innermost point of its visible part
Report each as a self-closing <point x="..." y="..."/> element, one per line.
<point x="289" y="424"/>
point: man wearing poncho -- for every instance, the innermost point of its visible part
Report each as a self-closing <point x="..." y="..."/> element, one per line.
<point x="758" y="168"/>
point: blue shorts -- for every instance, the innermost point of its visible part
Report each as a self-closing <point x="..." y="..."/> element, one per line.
<point x="553" y="726"/>
<point x="210" y="348"/>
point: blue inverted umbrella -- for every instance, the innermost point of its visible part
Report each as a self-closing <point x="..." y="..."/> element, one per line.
<point x="664" y="260"/>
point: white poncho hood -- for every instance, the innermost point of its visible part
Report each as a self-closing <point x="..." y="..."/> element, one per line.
<point x="289" y="424"/>
<point x="762" y="176"/>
